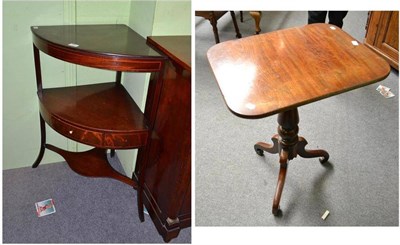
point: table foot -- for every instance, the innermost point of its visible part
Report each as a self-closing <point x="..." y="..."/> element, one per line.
<point x="276" y="211"/>
<point x="92" y="163"/>
<point x="324" y="156"/>
<point x="260" y="147"/>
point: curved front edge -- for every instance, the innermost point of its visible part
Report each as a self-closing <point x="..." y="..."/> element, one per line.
<point x="92" y="163"/>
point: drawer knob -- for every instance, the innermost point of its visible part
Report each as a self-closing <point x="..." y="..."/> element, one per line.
<point x="70" y="132"/>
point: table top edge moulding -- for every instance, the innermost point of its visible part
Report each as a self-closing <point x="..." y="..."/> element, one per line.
<point x="119" y="47"/>
<point x="274" y="72"/>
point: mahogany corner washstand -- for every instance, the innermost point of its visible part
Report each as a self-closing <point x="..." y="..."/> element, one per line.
<point x="101" y="115"/>
<point x="279" y="71"/>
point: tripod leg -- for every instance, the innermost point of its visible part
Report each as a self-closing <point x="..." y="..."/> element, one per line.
<point x="324" y="156"/>
<point x="283" y="159"/>
<point x="260" y="147"/>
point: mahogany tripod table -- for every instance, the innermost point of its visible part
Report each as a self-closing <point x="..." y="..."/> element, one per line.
<point x="277" y="72"/>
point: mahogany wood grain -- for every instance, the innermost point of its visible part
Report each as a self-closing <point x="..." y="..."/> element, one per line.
<point x="268" y="73"/>
<point x="283" y="161"/>
<point x="178" y="54"/>
<point x="167" y="156"/>
<point x="279" y="71"/>
<point x="38" y="71"/>
<point x="91" y="163"/>
<point x="112" y="47"/>
<point x="382" y="35"/>
<point x="102" y="115"/>
<point x="324" y="156"/>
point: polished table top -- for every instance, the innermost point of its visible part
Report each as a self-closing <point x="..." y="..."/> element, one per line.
<point x="110" y="39"/>
<point x="270" y="73"/>
<point x="111" y="47"/>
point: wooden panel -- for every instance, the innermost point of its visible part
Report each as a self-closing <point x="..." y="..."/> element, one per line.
<point x="168" y="169"/>
<point x="177" y="54"/>
<point x="167" y="184"/>
<point x="388" y="38"/>
<point x="383" y="35"/>
<point x="372" y="27"/>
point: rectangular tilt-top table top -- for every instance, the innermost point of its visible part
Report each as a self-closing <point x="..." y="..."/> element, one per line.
<point x="270" y="73"/>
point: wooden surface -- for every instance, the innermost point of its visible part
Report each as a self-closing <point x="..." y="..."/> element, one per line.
<point x="167" y="159"/>
<point x="113" y="47"/>
<point x="102" y="115"/>
<point x="92" y="163"/>
<point x="167" y="45"/>
<point x="274" y="72"/>
<point x="383" y="35"/>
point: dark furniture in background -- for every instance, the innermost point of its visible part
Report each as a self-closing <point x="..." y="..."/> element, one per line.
<point x="256" y="15"/>
<point x="104" y="115"/>
<point x="167" y="159"/>
<point x="382" y="35"/>
<point x="214" y="16"/>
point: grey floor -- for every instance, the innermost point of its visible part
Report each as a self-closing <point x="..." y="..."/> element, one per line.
<point x="359" y="129"/>
<point x="88" y="210"/>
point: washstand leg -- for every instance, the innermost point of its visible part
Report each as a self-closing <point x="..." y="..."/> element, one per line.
<point x="140" y="198"/>
<point x="138" y="175"/>
<point x="42" y="142"/>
